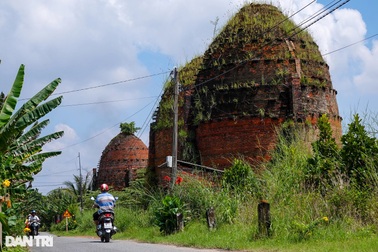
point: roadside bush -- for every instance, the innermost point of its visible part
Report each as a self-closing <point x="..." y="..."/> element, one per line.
<point x="241" y="180"/>
<point x="61" y="226"/>
<point x="166" y="214"/>
<point x="197" y="194"/>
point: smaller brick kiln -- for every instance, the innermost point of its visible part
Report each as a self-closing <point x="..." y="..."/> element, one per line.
<point x="119" y="161"/>
<point x="258" y="73"/>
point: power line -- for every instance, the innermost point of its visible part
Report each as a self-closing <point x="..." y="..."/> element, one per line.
<point x="295" y="13"/>
<point x="344" y="47"/>
<point x="322" y="10"/>
<point x="261" y="47"/>
<point x="55" y="173"/>
<point x="103" y="102"/>
<point x="202" y="83"/>
<point x="206" y="81"/>
<point x="108" y="84"/>
<point x="321" y="17"/>
<point x="102" y="132"/>
<point x="48" y="185"/>
<point x="113" y="83"/>
<point x="292" y="35"/>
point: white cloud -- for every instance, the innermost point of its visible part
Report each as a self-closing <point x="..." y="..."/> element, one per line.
<point x="367" y="80"/>
<point x="353" y="69"/>
<point x="68" y="137"/>
<point x="89" y="43"/>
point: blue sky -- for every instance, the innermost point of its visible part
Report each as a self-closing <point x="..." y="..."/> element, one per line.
<point x="101" y="49"/>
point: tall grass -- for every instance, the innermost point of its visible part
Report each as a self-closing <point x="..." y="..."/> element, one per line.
<point x="340" y="219"/>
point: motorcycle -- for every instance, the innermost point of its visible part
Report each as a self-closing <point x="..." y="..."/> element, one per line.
<point x="105" y="227"/>
<point x="33" y="226"/>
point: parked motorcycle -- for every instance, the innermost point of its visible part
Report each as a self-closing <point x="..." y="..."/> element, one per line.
<point x="105" y="227"/>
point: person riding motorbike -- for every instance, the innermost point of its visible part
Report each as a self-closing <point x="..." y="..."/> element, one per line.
<point x="105" y="202"/>
<point x="32" y="217"/>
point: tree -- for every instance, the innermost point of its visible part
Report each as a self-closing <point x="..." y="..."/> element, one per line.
<point x="56" y="202"/>
<point x="129" y="128"/>
<point x="79" y="183"/>
<point x="21" y="154"/>
<point x="359" y="154"/>
<point x="325" y="163"/>
<point x="241" y="179"/>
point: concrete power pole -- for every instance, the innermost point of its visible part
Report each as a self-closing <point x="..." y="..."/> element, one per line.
<point x="174" y="73"/>
<point x="81" y="187"/>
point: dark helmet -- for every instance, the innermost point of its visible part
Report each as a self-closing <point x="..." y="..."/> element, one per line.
<point x="104" y="188"/>
<point x="32" y="212"/>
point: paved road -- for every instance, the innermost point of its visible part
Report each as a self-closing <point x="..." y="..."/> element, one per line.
<point x="93" y="244"/>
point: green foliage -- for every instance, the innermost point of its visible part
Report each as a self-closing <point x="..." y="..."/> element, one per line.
<point x="21" y="148"/>
<point x="297" y="223"/>
<point x="303" y="231"/>
<point x="324" y="165"/>
<point x="61" y="226"/>
<point x="285" y="173"/>
<point x="241" y="179"/>
<point x="55" y="203"/>
<point x="360" y="155"/>
<point x="80" y="186"/>
<point x="227" y="209"/>
<point x="166" y="214"/>
<point x="137" y="195"/>
<point x="197" y="194"/>
<point x="128" y="128"/>
<point x="21" y="153"/>
<point x="296" y="212"/>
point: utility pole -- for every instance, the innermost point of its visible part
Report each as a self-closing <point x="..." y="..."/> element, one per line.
<point x="174" y="73"/>
<point x="80" y="187"/>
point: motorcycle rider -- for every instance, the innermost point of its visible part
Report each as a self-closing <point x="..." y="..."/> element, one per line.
<point x="32" y="217"/>
<point x="105" y="202"/>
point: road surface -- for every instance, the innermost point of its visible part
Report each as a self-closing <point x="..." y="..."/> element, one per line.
<point x="93" y="244"/>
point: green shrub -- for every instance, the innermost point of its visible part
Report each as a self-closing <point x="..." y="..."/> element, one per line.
<point x="61" y="226"/>
<point x="197" y="194"/>
<point x="241" y="180"/>
<point x="302" y="231"/>
<point x="324" y="166"/>
<point x="360" y="155"/>
<point x="166" y="214"/>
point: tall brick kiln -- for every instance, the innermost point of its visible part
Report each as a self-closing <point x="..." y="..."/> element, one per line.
<point x="119" y="161"/>
<point x="259" y="72"/>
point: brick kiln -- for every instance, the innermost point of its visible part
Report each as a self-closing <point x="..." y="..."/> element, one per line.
<point x="259" y="72"/>
<point x="119" y="161"/>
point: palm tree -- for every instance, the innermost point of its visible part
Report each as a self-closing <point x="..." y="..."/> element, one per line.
<point x="21" y="154"/>
<point x="79" y="184"/>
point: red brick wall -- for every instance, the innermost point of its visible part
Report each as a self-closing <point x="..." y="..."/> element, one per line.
<point x="120" y="160"/>
<point x="219" y="142"/>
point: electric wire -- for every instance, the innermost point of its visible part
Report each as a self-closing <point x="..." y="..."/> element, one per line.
<point x="54" y="173"/>
<point x="206" y="81"/>
<point x="327" y="7"/>
<point x="104" y="85"/>
<point x="261" y="47"/>
<point x="355" y="43"/>
<point x="320" y="11"/>
<point x="292" y="15"/>
<point x="197" y="85"/>
<point x="104" y="102"/>
<point x="318" y="19"/>
<point x="113" y="83"/>
<point x="102" y="132"/>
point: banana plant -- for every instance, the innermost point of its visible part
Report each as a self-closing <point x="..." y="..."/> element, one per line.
<point x="21" y="154"/>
